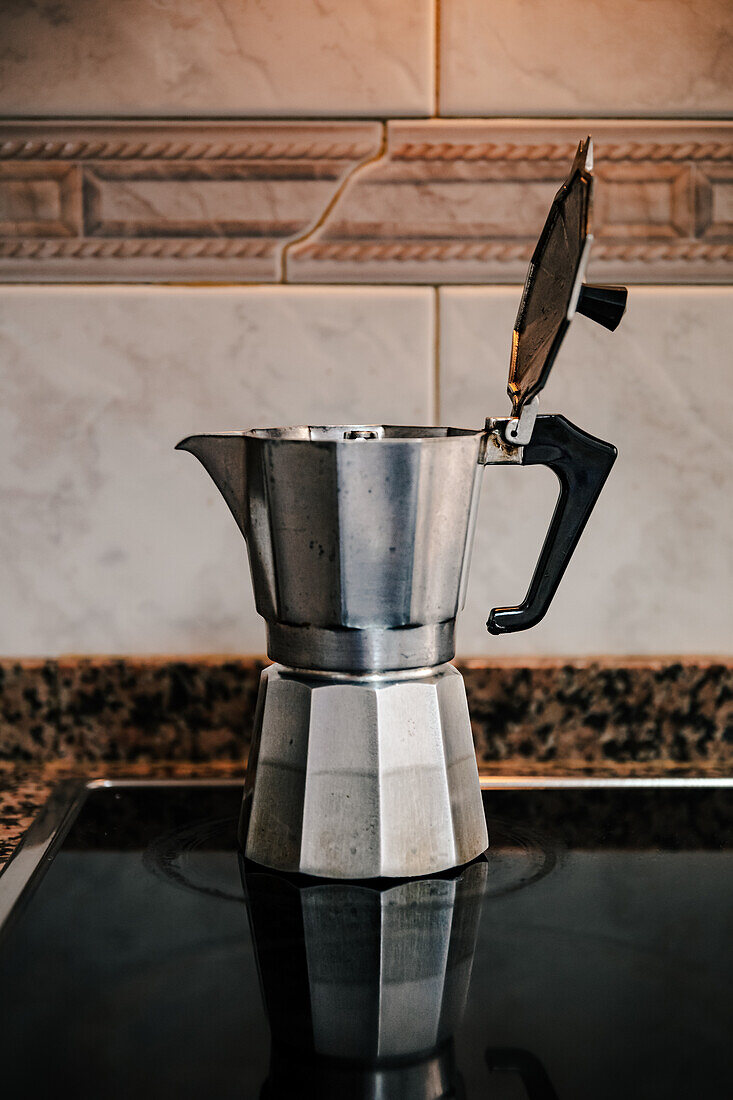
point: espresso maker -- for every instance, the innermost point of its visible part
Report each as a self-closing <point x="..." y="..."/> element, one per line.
<point x="362" y="762"/>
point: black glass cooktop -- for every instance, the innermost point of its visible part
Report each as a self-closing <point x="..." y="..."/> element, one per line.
<point x="589" y="954"/>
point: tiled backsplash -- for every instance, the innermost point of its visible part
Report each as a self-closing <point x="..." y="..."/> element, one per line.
<point x="171" y="201"/>
<point x="110" y="542"/>
<point x="229" y="58"/>
<point x="652" y="573"/>
<point x="463" y="201"/>
<point x="113" y="542"/>
<point x="366" y="58"/>
<point x="619" y="57"/>
<point x="413" y="202"/>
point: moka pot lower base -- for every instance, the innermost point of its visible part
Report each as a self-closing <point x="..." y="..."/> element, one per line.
<point x="362" y="776"/>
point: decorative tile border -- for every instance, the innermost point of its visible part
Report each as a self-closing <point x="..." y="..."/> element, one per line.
<point x="166" y="201"/>
<point x="466" y="201"/>
<point x="445" y="202"/>
<point x="588" y="712"/>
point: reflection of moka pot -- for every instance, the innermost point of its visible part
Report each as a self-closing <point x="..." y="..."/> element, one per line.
<point x="359" y="536"/>
<point x="364" y="986"/>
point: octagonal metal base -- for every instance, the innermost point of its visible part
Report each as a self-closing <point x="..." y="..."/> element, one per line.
<point x="362" y="777"/>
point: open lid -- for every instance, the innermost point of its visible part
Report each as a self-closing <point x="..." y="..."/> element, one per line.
<point x="554" y="287"/>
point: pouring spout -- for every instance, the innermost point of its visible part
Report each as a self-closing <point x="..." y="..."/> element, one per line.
<point x="223" y="457"/>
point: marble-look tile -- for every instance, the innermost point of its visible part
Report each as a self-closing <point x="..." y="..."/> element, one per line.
<point x="662" y="58"/>
<point x="111" y="541"/>
<point x="653" y="572"/>
<point x="123" y="201"/>
<point x="193" y="58"/>
<point x="464" y="201"/>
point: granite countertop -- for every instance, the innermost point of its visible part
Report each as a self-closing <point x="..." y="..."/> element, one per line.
<point x="24" y="788"/>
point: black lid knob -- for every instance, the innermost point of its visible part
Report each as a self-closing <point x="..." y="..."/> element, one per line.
<point x="604" y="304"/>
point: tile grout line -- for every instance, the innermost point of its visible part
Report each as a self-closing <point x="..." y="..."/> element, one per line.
<point x="436" y="57"/>
<point x="316" y="225"/>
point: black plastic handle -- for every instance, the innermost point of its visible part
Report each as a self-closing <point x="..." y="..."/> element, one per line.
<point x="582" y="464"/>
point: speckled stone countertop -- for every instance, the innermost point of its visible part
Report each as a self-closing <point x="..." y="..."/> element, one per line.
<point x="170" y="717"/>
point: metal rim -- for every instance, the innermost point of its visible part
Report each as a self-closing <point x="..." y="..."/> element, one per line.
<point x="533" y="782"/>
<point x="423" y="433"/>
<point x="46" y="832"/>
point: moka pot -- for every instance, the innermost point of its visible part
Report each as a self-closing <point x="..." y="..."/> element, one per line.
<point x="359" y="537"/>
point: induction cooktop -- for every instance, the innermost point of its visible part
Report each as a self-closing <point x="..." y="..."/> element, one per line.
<point x="588" y="953"/>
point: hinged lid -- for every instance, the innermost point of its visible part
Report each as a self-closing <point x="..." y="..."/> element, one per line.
<point x="554" y="287"/>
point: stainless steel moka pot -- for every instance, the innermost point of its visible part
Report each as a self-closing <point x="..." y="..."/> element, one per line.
<point x="362" y="762"/>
